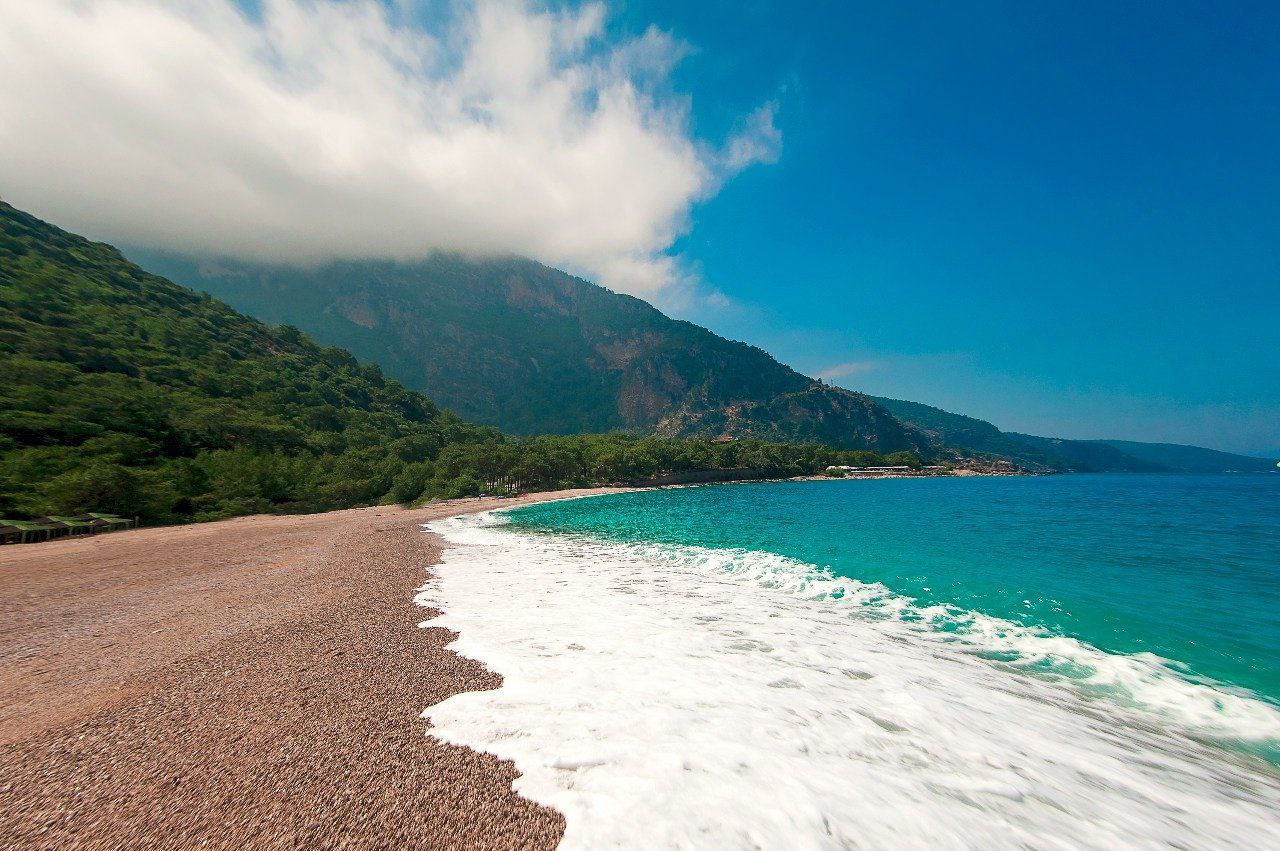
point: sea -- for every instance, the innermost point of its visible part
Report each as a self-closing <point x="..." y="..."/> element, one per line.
<point x="1074" y="661"/>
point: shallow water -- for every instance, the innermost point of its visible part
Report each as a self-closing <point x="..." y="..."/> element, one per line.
<point x="950" y="663"/>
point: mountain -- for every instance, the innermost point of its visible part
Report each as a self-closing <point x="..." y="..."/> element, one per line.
<point x="124" y="392"/>
<point x="1090" y="456"/>
<point x="529" y="349"/>
<point x="972" y="435"/>
<point x="969" y="434"/>
<point x="1193" y="459"/>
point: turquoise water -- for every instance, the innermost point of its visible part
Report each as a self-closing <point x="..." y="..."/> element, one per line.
<point x="1050" y="662"/>
<point x="1183" y="567"/>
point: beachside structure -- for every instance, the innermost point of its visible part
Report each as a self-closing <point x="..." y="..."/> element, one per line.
<point x="24" y="532"/>
<point x="896" y="469"/>
<point x="67" y="526"/>
<point x="31" y="531"/>
<point x="106" y="522"/>
<point x="52" y="526"/>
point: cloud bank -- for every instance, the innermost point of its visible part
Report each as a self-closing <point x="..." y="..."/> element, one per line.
<point x="837" y="371"/>
<point x="316" y="129"/>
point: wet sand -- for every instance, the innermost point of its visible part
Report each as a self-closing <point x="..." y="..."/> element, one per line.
<point x="254" y="682"/>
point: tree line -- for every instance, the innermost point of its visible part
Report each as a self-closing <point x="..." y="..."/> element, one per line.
<point x="123" y="392"/>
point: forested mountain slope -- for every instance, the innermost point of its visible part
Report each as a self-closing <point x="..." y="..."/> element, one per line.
<point x="972" y="435"/>
<point x="1162" y="457"/>
<point x="968" y="434"/>
<point x="1193" y="459"/>
<point x="122" y="391"/>
<point x="531" y="349"/>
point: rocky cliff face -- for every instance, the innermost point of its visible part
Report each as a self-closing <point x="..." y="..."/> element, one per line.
<point x="817" y="413"/>
<point x="531" y="349"/>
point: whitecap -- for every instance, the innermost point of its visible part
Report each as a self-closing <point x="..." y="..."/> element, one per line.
<point x="732" y="699"/>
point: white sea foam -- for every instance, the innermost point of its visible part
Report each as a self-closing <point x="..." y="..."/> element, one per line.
<point x="689" y="698"/>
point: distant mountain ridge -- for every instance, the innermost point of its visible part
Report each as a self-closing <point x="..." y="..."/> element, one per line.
<point x="530" y="349"/>
<point x="126" y="393"/>
<point x="1193" y="459"/>
<point x="1084" y="456"/>
<point x="512" y="343"/>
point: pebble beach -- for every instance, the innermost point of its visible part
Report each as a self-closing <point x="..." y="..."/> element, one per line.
<point x="255" y="682"/>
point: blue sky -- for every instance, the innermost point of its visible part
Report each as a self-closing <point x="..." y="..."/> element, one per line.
<point x="1064" y="218"/>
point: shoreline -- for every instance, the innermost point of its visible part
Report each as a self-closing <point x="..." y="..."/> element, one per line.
<point x="283" y="682"/>
<point x="256" y="682"/>
<point x="698" y="694"/>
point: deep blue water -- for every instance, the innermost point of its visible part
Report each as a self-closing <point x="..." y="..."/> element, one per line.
<point x="1183" y="567"/>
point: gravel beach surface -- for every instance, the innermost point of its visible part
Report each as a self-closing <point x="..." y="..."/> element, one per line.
<point x="250" y="683"/>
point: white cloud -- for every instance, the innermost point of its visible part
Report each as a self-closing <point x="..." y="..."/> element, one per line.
<point x="837" y="371"/>
<point x="327" y="129"/>
<point x="759" y="140"/>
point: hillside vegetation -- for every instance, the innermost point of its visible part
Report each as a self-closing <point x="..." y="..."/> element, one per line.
<point x="121" y="391"/>
<point x="968" y="435"/>
<point x="529" y="349"/>
<point x="1128" y="456"/>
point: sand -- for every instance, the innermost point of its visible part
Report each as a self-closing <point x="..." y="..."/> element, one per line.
<point x="255" y="682"/>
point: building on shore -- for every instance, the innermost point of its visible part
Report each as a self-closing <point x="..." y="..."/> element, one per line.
<point x="106" y="522"/>
<point x="51" y="527"/>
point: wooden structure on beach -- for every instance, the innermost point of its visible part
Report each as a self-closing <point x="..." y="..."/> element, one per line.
<point x="53" y="526"/>
<point x="106" y="522"/>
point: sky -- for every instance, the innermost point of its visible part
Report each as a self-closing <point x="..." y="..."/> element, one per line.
<point x="1063" y="218"/>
